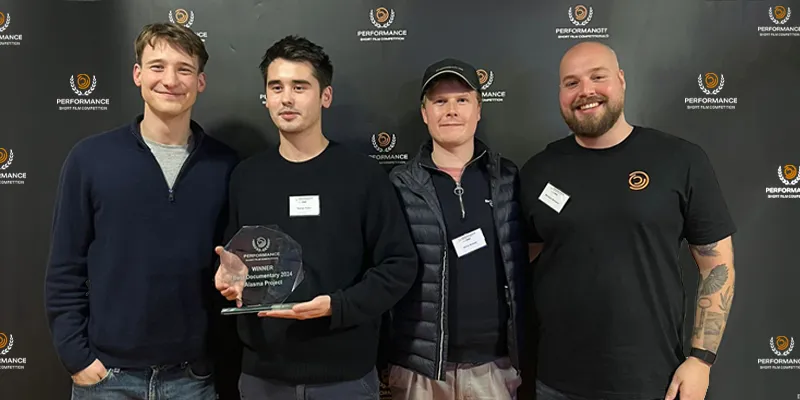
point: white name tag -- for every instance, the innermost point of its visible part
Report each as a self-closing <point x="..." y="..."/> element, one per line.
<point x="303" y="206"/>
<point x="553" y="197"/>
<point x="469" y="242"/>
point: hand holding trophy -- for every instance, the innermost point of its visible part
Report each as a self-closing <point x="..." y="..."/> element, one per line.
<point x="259" y="268"/>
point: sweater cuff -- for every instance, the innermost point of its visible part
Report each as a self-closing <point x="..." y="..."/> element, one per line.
<point x="78" y="361"/>
<point x="337" y="317"/>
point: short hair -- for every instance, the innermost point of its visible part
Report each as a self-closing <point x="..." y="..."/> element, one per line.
<point x="450" y="78"/>
<point x="174" y="34"/>
<point x="300" y="49"/>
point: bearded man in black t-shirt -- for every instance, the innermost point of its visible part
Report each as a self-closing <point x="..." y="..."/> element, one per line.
<point x="609" y="207"/>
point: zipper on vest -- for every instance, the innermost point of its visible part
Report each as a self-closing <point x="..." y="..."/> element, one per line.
<point x="171" y="195"/>
<point x="441" y="315"/>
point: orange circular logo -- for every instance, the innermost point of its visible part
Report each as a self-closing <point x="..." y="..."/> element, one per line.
<point x="789" y="171"/>
<point x="3" y="340"/>
<point x="580" y="12"/>
<point x="2" y="18"/>
<point x="638" y="180"/>
<point x="712" y="80"/>
<point x="384" y="139"/>
<point x="782" y="343"/>
<point x="382" y="14"/>
<point x="181" y="16"/>
<point x="483" y="76"/>
<point x="84" y="81"/>
<point x="3" y="155"/>
<point x="780" y="12"/>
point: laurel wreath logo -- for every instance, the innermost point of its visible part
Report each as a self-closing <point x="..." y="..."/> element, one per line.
<point x="83" y="83"/>
<point x="782" y="340"/>
<point x="385" y="142"/>
<point x="6" y="159"/>
<point x="485" y="78"/>
<point x="5" y="20"/>
<point x="4" y="341"/>
<point x="261" y="244"/>
<point x="585" y="21"/>
<point x="782" y="13"/>
<point x="181" y="16"/>
<point x="382" y="12"/>
<point x="703" y="87"/>
<point x="788" y="170"/>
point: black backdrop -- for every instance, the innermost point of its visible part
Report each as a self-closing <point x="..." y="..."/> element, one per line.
<point x="677" y="54"/>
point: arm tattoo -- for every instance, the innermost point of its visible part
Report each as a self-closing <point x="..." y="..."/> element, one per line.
<point x="714" y="281"/>
<point x="707" y="250"/>
<point x="725" y="300"/>
<point x="713" y="330"/>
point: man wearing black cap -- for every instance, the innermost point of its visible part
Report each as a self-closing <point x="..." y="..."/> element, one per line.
<point x="454" y="334"/>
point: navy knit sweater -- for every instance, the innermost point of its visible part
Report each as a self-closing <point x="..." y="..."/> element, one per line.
<point x="129" y="281"/>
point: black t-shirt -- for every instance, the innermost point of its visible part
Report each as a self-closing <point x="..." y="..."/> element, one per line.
<point x="608" y="288"/>
<point x="356" y="247"/>
<point x="477" y="311"/>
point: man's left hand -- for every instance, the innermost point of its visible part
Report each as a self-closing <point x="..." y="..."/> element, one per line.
<point x="690" y="380"/>
<point x="319" y="307"/>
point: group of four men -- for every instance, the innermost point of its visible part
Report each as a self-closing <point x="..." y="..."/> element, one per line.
<point x="439" y="246"/>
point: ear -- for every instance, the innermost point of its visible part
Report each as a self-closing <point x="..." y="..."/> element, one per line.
<point x="327" y="96"/>
<point x="137" y="74"/>
<point x="424" y="116"/>
<point x="622" y="78"/>
<point x="201" y="82"/>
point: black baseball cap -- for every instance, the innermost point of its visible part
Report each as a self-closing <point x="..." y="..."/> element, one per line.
<point x="463" y="70"/>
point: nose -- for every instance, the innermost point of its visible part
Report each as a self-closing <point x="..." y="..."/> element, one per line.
<point x="287" y="97"/>
<point x="170" y="78"/>
<point x="586" y="89"/>
<point x="452" y="108"/>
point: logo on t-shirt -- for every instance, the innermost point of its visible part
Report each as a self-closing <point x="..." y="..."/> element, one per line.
<point x="788" y="175"/>
<point x="638" y="180"/>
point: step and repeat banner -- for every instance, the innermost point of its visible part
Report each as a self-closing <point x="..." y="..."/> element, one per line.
<point x="722" y="74"/>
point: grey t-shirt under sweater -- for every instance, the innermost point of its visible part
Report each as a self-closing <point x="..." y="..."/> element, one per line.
<point x="170" y="158"/>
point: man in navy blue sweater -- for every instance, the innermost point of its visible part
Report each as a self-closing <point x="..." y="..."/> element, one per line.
<point x="138" y="210"/>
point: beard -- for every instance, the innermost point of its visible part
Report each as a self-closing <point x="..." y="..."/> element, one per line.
<point x="593" y="126"/>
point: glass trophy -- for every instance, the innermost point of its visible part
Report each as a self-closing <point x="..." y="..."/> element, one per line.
<point x="266" y="263"/>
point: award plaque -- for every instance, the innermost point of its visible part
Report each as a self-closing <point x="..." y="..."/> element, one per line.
<point x="268" y="264"/>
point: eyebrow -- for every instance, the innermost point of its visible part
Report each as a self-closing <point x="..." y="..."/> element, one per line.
<point x="595" y="69"/>
<point x="159" y="60"/>
<point x="294" y="82"/>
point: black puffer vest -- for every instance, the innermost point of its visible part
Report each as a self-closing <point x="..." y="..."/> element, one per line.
<point x="419" y="321"/>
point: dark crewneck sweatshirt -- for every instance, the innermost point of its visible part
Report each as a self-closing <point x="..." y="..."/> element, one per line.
<point x="358" y="250"/>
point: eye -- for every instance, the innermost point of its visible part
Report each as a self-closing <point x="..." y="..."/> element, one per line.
<point x="156" y="67"/>
<point x="570" y="84"/>
<point x="599" y="77"/>
<point x="275" y="88"/>
<point x="299" y="88"/>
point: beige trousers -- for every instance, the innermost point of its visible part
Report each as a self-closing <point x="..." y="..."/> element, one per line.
<point x="496" y="380"/>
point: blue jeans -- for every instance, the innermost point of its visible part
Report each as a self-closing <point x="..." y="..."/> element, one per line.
<point x="364" y="388"/>
<point x="544" y="392"/>
<point x="174" y="382"/>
